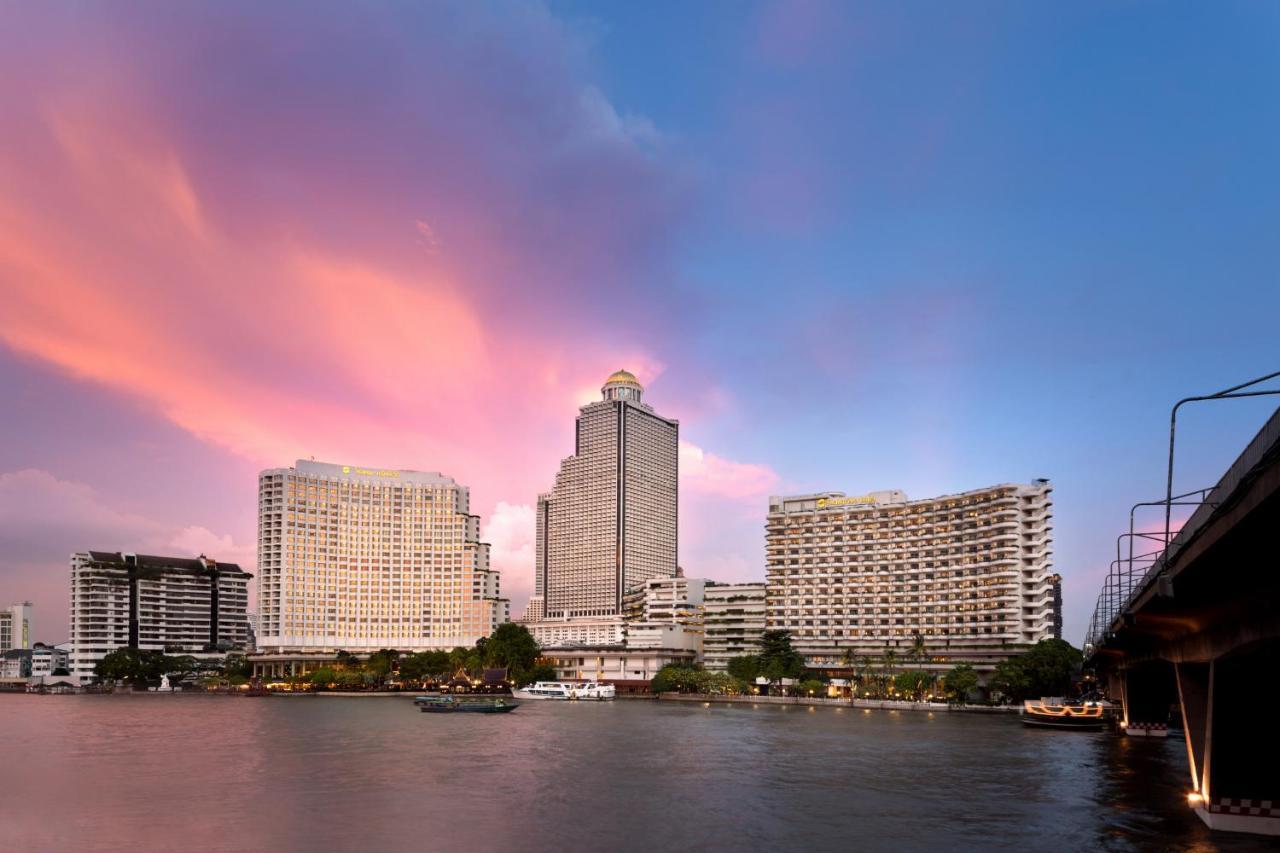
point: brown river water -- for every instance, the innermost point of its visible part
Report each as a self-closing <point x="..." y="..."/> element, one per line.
<point x="172" y="772"/>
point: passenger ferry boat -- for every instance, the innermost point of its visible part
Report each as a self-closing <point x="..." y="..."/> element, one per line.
<point x="566" y="690"/>
<point x="1056" y="713"/>
<point x="451" y="705"/>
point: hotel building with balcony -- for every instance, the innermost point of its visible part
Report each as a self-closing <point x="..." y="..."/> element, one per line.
<point x="174" y="605"/>
<point x="361" y="559"/>
<point x="970" y="573"/>
<point x="733" y="620"/>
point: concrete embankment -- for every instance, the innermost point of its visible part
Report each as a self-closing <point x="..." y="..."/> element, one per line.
<point x="872" y="704"/>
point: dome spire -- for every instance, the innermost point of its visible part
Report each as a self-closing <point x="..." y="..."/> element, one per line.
<point x="622" y="385"/>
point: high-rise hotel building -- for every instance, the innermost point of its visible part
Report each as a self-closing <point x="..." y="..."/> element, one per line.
<point x="176" y="605"/>
<point x="970" y="573"/>
<point x="609" y="524"/>
<point x="361" y="559"/>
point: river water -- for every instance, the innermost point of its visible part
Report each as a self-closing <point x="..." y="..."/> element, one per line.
<point x="163" y="773"/>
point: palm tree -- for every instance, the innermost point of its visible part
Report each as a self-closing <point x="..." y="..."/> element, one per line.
<point x="890" y="656"/>
<point x="917" y="651"/>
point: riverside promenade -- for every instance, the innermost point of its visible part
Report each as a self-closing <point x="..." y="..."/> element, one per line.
<point x="869" y="704"/>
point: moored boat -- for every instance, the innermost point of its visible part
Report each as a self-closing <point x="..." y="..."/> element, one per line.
<point x="453" y="705"/>
<point x="1056" y="713"/>
<point x="565" y="690"/>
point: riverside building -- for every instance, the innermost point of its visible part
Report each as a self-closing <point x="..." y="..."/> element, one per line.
<point x="167" y="604"/>
<point x="733" y="619"/>
<point x="361" y="559"/>
<point x="969" y="573"/>
<point x="15" y="627"/>
<point x="609" y="524"/>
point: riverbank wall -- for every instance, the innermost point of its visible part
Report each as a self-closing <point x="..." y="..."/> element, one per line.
<point x="870" y="704"/>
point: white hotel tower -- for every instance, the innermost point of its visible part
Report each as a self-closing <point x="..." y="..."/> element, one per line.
<point x="610" y="522"/>
<point x="362" y="559"/>
<point x="971" y="574"/>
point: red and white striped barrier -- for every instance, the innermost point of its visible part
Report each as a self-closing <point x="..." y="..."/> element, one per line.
<point x="1147" y="729"/>
<point x="1253" y="808"/>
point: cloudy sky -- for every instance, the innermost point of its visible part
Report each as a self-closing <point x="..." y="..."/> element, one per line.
<point x="850" y="246"/>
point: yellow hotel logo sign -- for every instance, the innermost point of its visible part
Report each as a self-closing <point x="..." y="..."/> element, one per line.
<point x="369" y="472"/>
<point x="823" y="503"/>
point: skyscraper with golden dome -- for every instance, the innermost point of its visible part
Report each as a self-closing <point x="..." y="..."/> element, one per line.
<point x="609" y="524"/>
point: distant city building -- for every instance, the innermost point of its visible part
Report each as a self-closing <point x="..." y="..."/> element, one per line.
<point x="168" y="604"/>
<point x="609" y="524"/>
<point x="675" y="599"/>
<point x="969" y="573"/>
<point x="46" y="660"/>
<point x="361" y="559"/>
<point x="535" y="610"/>
<point x="15" y="626"/>
<point x="733" y="621"/>
<point x="15" y="665"/>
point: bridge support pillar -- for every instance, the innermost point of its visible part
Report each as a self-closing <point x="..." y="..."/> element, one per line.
<point x="1148" y="691"/>
<point x="1233" y="744"/>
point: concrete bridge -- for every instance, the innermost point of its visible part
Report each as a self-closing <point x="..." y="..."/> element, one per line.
<point x="1191" y="632"/>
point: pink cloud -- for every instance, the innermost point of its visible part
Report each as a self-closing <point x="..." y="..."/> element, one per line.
<point x="709" y="474"/>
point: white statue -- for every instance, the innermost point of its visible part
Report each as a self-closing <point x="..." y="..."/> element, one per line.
<point x="165" y="687"/>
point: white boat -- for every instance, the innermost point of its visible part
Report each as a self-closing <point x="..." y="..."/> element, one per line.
<point x="565" y="690"/>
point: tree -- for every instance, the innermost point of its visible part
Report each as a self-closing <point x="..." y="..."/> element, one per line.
<point x="1010" y="680"/>
<point x="423" y="665"/>
<point x="917" y="651"/>
<point x="1046" y="669"/>
<point x="537" y="672"/>
<point x="674" y="678"/>
<point x="862" y="669"/>
<point x="324" y="676"/>
<point x="960" y="682"/>
<point x="348" y="679"/>
<point x="745" y="668"/>
<point x="812" y="687"/>
<point x="237" y="669"/>
<point x="346" y="658"/>
<point x="888" y="663"/>
<point x="380" y="664"/>
<point x="777" y="658"/>
<point x="913" y="683"/>
<point x="513" y="647"/>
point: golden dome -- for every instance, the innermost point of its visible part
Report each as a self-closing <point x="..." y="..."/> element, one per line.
<point x="622" y="377"/>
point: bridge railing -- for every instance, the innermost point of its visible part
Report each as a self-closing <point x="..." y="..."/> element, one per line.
<point x="1130" y="577"/>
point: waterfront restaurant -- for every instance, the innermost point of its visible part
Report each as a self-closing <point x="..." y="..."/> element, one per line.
<point x="628" y="670"/>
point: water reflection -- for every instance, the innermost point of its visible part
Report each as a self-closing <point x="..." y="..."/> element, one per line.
<point x="212" y="773"/>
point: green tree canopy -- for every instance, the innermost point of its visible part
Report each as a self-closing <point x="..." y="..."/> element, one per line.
<point x="745" y="668"/>
<point x="777" y="658"/>
<point x="913" y="682"/>
<point x="511" y="646"/>
<point x="961" y="681"/>
<point x="1045" y="669"/>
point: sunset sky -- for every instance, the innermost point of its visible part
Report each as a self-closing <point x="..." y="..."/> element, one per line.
<point x="850" y="246"/>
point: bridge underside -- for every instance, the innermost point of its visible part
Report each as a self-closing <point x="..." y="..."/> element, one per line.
<point x="1203" y="638"/>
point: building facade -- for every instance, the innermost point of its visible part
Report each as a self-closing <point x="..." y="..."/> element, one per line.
<point x="15" y="627"/>
<point x="733" y="621"/>
<point x="46" y="660"/>
<point x="629" y="670"/>
<point x="970" y="574"/>
<point x="167" y="604"/>
<point x="361" y="559"/>
<point x="589" y="631"/>
<point x="609" y="524"/>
